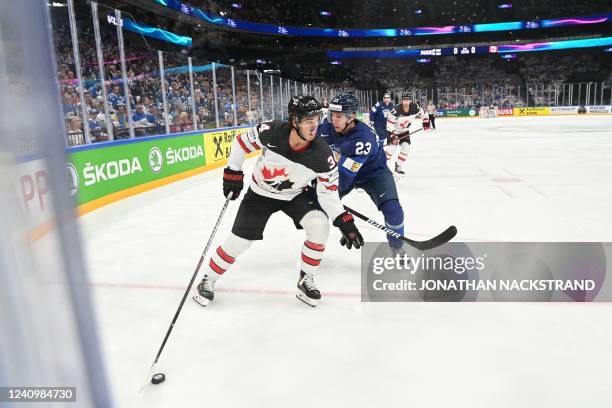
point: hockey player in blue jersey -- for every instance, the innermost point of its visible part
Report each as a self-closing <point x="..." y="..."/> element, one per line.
<point x="362" y="161"/>
<point x="378" y="116"/>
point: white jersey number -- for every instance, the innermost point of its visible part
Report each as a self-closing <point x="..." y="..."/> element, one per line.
<point x="360" y="148"/>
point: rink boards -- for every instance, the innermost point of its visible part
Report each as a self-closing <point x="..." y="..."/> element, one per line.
<point x="103" y="173"/>
<point x="527" y="111"/>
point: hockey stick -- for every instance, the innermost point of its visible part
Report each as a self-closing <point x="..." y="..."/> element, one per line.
<point x="195" y="273"/>
<point x="405" y="135"/>
<point x="431" y="243"/>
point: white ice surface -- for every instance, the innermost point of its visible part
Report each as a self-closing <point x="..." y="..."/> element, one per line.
<point x="506" y="179"/>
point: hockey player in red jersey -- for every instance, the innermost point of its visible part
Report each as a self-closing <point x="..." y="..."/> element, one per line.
<point x="292" y="157"/>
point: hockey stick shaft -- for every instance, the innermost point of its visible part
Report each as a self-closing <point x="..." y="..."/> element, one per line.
<point x="195" y="273"/>
<point x="436" y="241"/>
<point x="370" y="221"/>
<point x="404" y="136"/>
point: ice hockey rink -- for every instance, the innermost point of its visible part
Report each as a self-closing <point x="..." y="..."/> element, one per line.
<point x="504" y="179"/>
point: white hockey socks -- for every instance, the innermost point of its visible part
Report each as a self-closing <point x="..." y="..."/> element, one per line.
<point x="316" y="225"/>
<point x="403" y="155"/>
<point x="225" y="255"/>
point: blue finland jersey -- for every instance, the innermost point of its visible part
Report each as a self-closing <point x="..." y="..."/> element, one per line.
<point x="377" y="116"/>
<point x="361" y="156"/>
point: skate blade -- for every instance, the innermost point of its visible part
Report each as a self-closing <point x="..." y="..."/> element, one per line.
<point x="310" y="302"/>
<point x="202" y="301"/>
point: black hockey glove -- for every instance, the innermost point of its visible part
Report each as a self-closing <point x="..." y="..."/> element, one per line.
<point x="351" y="237"/>
<point x="425" y="123"/>
<point x="393" y="139"/>
<point x="232" y="182"/>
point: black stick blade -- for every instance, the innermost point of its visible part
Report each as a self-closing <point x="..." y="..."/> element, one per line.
<point x="434" y="242"/>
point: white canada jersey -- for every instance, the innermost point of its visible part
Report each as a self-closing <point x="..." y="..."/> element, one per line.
<point x="399" y="120"/>
<point x="324" y="113"/>
<point x="281" y="172"/>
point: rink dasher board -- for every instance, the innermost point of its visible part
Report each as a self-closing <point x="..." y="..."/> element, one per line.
<point x="103" y="173"/>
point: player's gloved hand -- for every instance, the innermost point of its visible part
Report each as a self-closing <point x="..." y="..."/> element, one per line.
<point x="232" y="182"/>
<point x="425" y="124"/>
<point x="394" y="139"/>
<point x="351" y="237"/>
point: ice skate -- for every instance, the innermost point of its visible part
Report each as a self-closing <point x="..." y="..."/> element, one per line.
<point x="308" y="292"/>
<point x="206" y="291"/>
<point x="403" y="255"/>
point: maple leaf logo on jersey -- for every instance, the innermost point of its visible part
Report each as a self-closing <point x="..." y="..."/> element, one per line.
<point x="404" y="122"/>
<point x="270" y="175"/>
<point x="276" y="178"/>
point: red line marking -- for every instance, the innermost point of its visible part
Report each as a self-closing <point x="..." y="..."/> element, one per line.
<point x="290" y="293"/>
<point x="222" y="290"/>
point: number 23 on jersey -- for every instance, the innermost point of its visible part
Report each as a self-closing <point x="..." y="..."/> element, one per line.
<point x="362" y="148"/>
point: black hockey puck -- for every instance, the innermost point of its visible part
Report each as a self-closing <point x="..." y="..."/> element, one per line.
<point x="158" y="378"/>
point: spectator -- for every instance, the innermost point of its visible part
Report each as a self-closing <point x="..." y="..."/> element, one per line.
<point x="155" y="115"/>
<point x="201" y="118"/>
<point x="120" y="121"/>
<point x="75" y="131"/>
<point x="88" y="102"/>
<point x="92" y="121"/>
<point x="114" y="98"/>
<point x="151" y="116"/>
<point x="140" y="117"/>
<point x="68" y="105"/>
<point x="96" y="130"/>
<point x="184" y="123"/>
<point x="146" y="102"/>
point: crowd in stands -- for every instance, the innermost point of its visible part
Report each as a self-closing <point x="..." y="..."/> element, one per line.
<point x="545" y="75"/>
<point x="370" y="14"/>
<point x="146" y="99"/>
<point x="454" y="82"/>
<point x="543" y="9"/>
<point x="533" y="80"/>
<point x="462" y="83"/>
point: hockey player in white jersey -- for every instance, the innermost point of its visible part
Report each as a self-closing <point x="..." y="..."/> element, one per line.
<point x="292" y="157"/>
<point x="400" y="122"/>
<point x="324" y="109"/>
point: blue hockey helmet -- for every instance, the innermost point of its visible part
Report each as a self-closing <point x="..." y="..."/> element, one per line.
<point x="345" y="103"/>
